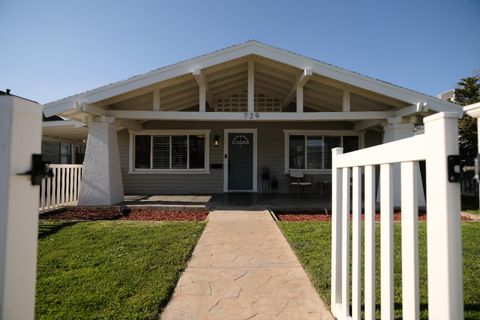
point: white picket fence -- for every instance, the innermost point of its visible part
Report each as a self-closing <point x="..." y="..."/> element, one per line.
<point x="63" y="188"/>
<point x="444" y="251"/>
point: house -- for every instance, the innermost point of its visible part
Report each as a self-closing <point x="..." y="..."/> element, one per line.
<point x="448" y="95"/>
<point x="63" y="141"/>
<point x="232" y="121"/>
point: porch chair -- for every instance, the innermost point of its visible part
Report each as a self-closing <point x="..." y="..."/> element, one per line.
<point x="299" y="180"/>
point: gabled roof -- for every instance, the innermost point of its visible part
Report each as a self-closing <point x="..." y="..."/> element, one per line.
<point x="236" y="52"/>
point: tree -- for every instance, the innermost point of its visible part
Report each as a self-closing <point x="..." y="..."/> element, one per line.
<point x="468" y="92"/>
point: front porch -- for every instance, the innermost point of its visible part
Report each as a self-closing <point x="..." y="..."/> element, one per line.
<point x="230" y="201"/>
<point x="175" y="130"/>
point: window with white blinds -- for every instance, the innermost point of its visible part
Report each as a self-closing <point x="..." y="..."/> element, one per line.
<point x="312" y="151"/>
<point x="170" y="152"/>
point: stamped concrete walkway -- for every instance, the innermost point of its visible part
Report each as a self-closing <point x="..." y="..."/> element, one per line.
<point x="243" y="268"/>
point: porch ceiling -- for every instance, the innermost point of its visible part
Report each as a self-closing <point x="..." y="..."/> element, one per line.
<point x="64" y="131"/>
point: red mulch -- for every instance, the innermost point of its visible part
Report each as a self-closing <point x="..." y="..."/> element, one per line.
<point x="137" y="214"/>
<point x="324" y="216"/>
<point x="167" y="215"/>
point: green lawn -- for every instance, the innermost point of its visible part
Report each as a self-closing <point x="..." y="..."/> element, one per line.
<point x="110" y="269"/>
<point x="311" y="242"/>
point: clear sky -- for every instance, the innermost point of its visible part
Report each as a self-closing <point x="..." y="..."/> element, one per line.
<point x="52" y="49"/>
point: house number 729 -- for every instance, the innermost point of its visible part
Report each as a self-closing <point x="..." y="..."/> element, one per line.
<point x="251" y="115"/>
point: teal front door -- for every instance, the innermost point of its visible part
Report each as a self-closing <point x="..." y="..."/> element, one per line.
<point x="240" y="161"/>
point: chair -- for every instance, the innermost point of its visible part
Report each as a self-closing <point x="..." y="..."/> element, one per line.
<point x="299" y="180"/>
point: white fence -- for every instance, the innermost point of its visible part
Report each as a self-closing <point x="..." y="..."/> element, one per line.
<point x="61" y="189"/>
<point x="444" y="251"/>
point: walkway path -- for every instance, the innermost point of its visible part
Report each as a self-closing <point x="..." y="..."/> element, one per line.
<point x="243" y="268"/>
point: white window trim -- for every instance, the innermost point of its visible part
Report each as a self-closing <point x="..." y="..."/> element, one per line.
<point x="131" y="162"/>
<point x="288" y="132"/>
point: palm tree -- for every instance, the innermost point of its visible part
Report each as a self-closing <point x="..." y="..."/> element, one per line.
<point x="468" y="91"/>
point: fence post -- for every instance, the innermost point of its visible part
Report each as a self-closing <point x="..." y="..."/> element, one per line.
<point x="336" y="277"/>
<point x="386" y="241"/>
<point x="369" y="242"/>
<point x="20" y="136"/>
<point x="444" y="242"/>
<point x="345" y="258"/>
<point x="410" y="277"/>
<point x="356" y="242"/>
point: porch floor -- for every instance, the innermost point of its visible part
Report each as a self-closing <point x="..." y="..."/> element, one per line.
<point x="227" y="201"/>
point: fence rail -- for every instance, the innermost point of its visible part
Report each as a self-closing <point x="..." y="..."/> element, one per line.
<point x="63" y="188"/>
<point x="397" y="160"/>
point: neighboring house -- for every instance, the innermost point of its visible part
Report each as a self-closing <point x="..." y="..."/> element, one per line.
<point x="219" y="122"/>
<point x="61" y="149"/>
<point x="448" y="95"/>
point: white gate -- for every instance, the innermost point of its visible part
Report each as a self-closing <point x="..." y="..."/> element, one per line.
<point x="444" y="250"/>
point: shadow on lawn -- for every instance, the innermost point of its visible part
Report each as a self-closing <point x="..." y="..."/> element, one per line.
<point x="424" y="307"/>
<point x="50" y="229"/>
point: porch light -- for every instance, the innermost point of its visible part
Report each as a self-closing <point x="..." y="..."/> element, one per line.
<point x="216" y="141"/>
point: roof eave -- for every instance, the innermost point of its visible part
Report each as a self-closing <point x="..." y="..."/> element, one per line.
<point x="235" y="52"/>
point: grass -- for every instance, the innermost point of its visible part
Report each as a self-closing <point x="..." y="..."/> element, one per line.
<point x="110" y="269"/>
<point x="311" y="242"/>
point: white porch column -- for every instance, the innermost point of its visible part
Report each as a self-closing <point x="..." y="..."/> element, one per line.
<point x="394" y="131"/>
<point x="102" y="177"/>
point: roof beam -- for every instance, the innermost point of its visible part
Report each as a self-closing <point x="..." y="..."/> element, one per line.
<point x="367" y="124"/>
<point x="130" y="124"/>
<point x="302" y="79"/>
<point x="156" y="100"/>
<point x="90" y="108"/>
<point x="100" y="112"/>
<point x="61" y="140"/>
<point x="251" y="87"/>
<point x="240" y="116"/>
<point x="204" y="92"/>
<point x="411" y="110"/>
<point x="346" y="101"/>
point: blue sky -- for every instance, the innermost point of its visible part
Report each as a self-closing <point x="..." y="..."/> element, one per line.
<point x="52" y="49"/>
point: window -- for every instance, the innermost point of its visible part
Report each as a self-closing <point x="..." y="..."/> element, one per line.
<point x="314" y="151"/>
<point x="65" y="153"/>
<point x="176" y="152"/>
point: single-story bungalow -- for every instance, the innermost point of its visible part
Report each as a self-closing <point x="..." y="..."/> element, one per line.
<point x="248" y="118"/>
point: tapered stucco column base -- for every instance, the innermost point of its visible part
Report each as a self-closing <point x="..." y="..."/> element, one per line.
<point x="102" y="177"/>
<point x="394" y="132"/>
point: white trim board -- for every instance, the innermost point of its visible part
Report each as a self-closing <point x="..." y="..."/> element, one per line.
<point x="252" y="116"/>
<point x="226" y="155"/>
<point x="239" y="51"/>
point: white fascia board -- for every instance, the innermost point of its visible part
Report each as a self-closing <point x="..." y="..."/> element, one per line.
<point x="354" y="79"/>
<point x="473" y="110"/>
<point x="249" y="48"/>
<point x="137" y="82"/>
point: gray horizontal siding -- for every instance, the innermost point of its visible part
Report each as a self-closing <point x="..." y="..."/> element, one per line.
<point x="270" y="155"/>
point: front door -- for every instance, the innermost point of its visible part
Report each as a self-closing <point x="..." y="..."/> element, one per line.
<point x="240" y="161"/>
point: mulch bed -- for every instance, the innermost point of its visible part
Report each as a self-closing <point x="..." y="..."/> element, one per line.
<point x="326" y="216"/>
<point x="121" y="213"/>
